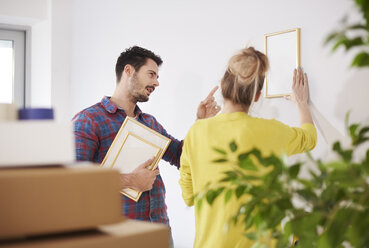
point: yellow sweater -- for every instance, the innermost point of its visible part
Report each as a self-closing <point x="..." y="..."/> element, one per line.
<point x="269" y="136"/>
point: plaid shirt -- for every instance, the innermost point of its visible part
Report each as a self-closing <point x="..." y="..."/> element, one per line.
<point x="95" y="129"/>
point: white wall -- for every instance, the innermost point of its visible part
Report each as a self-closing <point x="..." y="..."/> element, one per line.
<point x="61" y="36"/>
<point x="195" y="40"/>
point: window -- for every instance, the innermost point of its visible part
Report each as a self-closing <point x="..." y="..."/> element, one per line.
<point x="12" y="67"/>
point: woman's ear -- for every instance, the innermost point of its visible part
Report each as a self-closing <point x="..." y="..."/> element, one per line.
<point x="257" y="96"/>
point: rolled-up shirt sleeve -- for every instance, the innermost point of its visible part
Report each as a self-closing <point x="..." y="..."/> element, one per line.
<point x="86" y="140"/>
<point x="174" y="150"/>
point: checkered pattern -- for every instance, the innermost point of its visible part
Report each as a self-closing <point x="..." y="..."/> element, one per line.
<point x="95" y="129"/>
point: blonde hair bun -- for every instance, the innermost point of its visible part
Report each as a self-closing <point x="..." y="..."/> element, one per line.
<point x="247" y="65"/>
<point x="244" y="76"/>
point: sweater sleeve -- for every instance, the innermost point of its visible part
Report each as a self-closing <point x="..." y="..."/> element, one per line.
<point x="302" y="139"/>
<point x="185" y="180"/>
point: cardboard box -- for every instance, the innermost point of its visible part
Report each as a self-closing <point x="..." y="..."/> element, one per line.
<point x="57" y="199"/>
<point x="128" y="234"/>
<point x="36" y="143"/>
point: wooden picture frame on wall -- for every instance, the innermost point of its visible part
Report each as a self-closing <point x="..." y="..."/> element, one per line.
<point x="134" y="144"/>
<point x="283" y="52"/>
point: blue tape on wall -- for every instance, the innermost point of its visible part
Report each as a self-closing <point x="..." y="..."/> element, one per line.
<point x="36" y="114"/>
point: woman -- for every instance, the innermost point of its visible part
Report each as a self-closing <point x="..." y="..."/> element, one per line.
<point x="241" y="86"/>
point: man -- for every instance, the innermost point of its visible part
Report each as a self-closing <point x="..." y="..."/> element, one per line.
<point x="96" y="127"/>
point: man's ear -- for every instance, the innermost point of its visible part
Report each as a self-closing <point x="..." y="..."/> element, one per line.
<point x="257" y="96"/>
<point x="128" y="70"/>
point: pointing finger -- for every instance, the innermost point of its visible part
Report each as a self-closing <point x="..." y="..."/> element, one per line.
<point x="211" y="94"/>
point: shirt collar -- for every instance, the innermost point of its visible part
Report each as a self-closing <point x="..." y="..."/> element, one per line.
<point x="109" y="106"/>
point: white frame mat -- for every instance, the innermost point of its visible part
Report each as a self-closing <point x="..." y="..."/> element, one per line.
<point x="283" y="52"/>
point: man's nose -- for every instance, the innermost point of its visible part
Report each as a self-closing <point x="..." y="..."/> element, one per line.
<point x="156" y="83"/>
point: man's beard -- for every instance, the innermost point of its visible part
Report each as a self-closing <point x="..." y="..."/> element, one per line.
<point x="141" y="97"/>
<point x="136" y="95"/>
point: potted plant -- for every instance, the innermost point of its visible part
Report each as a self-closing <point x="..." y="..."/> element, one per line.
<point x="336" y="198"/>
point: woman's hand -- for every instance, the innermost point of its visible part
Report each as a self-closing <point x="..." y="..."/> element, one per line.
<point x="300" y="95"/>
<point x="300" y="88"/>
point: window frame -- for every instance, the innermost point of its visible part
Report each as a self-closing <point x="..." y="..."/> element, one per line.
<point x="19" y="35"/>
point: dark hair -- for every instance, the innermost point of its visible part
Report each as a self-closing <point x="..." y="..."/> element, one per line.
<point x="245" y="69"/>
<point x="135" y="56"/>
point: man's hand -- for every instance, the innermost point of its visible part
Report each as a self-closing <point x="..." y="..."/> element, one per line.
<point x="208" y="107"/>
<point x="141" y="179"/>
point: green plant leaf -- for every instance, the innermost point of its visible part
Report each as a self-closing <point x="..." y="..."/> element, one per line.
<point x="221" y="160"/>
<point x="361" y="138"/>
<point x="331" y="37"/>
<point x="210" y="196"/>
<point x="271" y="215"/>
<point x="363" y="131"/>
<point x="345" y="179"/>
<point x="251" y="235"/>
<point x="306" y="183"/>
<point x="250" y="178"/>
<point x="199" y="203"/>
<point x="249" y="221"/>
<point x="347" y="118"/>
<point x="284" y="204"/>
<point x="228" y="195"/>
<point x="308" y="195"/>
<point x="243" y="156"/>
<point x="345" y="154"/>
<point x="247" y="164"/>
<point x="272" y="160"/>
<point x="257" y="191"/>
<point x="361" y="60"/>
<point x="340" y="41"/>
<point x="219" y="191"/>
<point x="220" y="151"/>
<point x="239" y="191"/>
<point x="338" y="165"/>
<point x="365" y="162"/>
<point x="334" y="235"/>
<point x="357" y="27"/>
<point x="233" y="146"/>
<point x="353" y="129"/>
<point x="231" y="174"/>
<point x="294" y="170"/>
<point x="227" y="179"/>
<point x="357" y="41"/>
<point x="358" y="232"/>
<point x="304" y="226"/>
